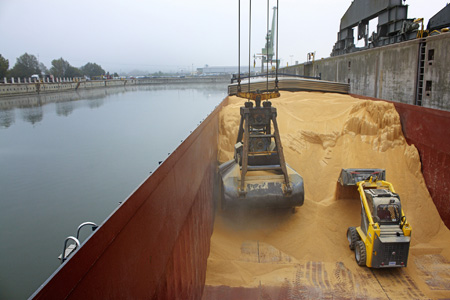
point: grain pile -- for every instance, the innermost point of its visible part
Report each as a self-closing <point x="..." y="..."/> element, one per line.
<point x="306" y="254"/>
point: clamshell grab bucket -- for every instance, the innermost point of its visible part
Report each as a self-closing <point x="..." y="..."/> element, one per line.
<point x="265" y="190"/>
<point x="258" y="176"/>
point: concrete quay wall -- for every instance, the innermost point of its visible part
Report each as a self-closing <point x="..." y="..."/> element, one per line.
<point x="176" y="80"/>
<point x="34" y="88"/>
<point x="391" y="72"/>
<point x="18" y="89"/>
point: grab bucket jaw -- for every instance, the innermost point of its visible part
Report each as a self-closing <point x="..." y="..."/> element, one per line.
<point x="260" y="191"/>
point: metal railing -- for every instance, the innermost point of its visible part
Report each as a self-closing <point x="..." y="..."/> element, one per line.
<point x="69" y="249"/>
<point x="235" y="76"/>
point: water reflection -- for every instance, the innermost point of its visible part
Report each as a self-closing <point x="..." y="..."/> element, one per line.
<point x="92" y="104"/>
<point x="33" y="113"/>
<point x="64" y="108"/>
<point x="7" y="117"/>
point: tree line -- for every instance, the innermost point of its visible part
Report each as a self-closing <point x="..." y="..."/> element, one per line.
<point x="27" y="65"/>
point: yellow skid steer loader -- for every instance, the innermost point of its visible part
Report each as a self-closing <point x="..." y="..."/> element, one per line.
<point x="383" y="239"/>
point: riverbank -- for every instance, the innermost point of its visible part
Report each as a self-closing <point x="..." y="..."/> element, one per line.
<point x="35" y="88"/>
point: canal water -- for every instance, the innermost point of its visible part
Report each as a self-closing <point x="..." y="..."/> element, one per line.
<point x="72" y="157"/>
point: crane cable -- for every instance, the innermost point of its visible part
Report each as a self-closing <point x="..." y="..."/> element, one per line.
<point x="249" y="96"/>
<point x="249" y="43"/>
<point x="267" y="50"/>
<point x="239" y="46"/>
<point x="276" y="61"/>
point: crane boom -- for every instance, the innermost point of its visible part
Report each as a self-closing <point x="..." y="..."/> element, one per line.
<point x="267" y="52"/>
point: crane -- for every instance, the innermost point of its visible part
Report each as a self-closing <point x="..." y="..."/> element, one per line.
<point x="267" y="52"/>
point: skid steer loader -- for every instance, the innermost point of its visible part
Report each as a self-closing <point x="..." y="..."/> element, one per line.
<point x="383" y="239"/>
<point x="258" y="176"/>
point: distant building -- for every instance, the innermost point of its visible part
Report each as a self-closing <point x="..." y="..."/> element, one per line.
<point x="211" y="71"/>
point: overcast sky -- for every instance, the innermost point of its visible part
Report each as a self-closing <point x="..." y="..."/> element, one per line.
<point x="172" y="34"/>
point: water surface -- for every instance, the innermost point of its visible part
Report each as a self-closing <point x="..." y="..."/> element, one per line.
<point x="72" y="157"/>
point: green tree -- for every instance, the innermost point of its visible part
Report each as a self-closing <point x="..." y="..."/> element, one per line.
<point x="92" y="69"/>
<point x="62" y="68"/>
<point x="73" y="72"/>
<point x="43" y="69"/>
<point x="59" y="67"/>
<point x="26" y="65"/>
<point x="159" y="74"/>
<point x="4" y="66"/>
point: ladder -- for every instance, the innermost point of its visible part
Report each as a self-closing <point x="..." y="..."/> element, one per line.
<point x="69" y="249"/>
<point x="420" y="73"/>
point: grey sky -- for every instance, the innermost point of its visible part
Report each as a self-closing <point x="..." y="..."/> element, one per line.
<point x="171" y="34"/>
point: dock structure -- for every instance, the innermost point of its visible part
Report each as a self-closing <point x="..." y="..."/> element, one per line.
<point x="412" y="72"/>
<point x="289" y="83"/>
<point x="11" y="87"/>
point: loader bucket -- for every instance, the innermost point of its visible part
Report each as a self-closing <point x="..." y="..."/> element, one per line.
<point x="346" y="184"/>
<point x="353" y="176"/>
<point x="263" y="190"/>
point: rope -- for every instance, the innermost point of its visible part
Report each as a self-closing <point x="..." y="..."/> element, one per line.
<point x="276" y="69"/>
<point x="239" y="45"/>
<point x="267" y="48"/>
<point x="249" y="42"/>
<point x="249" y="47"/>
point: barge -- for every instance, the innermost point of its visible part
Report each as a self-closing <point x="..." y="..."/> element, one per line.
<point x="156" y="243"/>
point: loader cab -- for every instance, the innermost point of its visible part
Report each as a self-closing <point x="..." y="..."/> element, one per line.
<point x="384" y="205"/>
<point x="388" y="213"/>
